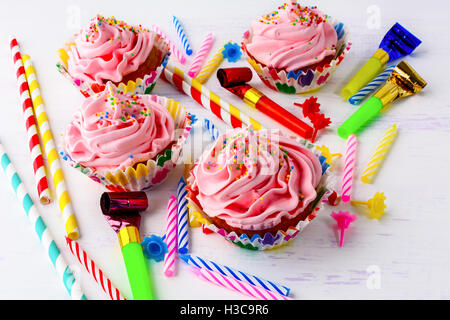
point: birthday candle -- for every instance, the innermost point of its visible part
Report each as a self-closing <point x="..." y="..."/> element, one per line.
<point x="182" y="35"/>
<point x="173" y="48"/>
<point x="201" y="55"/>
<point x="371" y="86"/>
<point x="171" y="237"/>
<point x="211" y="66"/>
<point x="196" y="261"/>
<point x="211" y="128"/>
<point x="379" y="155"/>
<point x="237" y="286"/>
<point x="183" y="231"/>
<point x="350" y="159"/>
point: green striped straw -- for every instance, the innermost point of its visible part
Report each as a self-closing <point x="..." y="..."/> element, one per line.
<point x="62" y="268"/>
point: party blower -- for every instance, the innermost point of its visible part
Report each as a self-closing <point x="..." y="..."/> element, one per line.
<point x="397" y="43"/>
<point x="235" y="80"/>
<point x="404" y="81"/>
<point x="121" y="210"/>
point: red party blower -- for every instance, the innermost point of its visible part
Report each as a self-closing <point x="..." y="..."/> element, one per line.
<point x="235" y="80"/>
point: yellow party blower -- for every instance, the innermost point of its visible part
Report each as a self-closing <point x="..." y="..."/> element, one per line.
<point x="397" y="43"/>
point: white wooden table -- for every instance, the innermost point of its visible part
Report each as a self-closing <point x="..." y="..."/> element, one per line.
<point x="404" y="255"/>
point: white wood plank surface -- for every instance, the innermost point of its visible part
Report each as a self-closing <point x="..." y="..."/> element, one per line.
<point x="408" y="250"/>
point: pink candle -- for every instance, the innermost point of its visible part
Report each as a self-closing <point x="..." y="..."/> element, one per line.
<point x="173" y="48"/>
<point x="350" y="160"/>
<point x="237" y="286"/>
<point x="201" y="55"/>
<point x="171" y="237"/>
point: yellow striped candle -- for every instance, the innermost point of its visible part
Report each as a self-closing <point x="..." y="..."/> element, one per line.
<point x="379" y="155"/>
<point x="211" y="66"/>
<point x="64" y="202"/>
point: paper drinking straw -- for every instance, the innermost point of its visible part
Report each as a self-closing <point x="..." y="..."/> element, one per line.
<point x="371" y="86"/>
<point x="211" y="66"/>
<point x="237" y="286"/>
<point x="173" y="48"/>
<point x="201" y="55"/>
<point x="380" y="153"/>
<point x="183" y="218"/>
<point x="211" y="128"/>
<point x="62" y="268"/>
<point x="65" y="205"/>
<point x="30" y="125"/>
<point x="225" y="111"/>
<point x="171" y="237"/>
<point x="349" y="168"/>
<point x="196" y="261"/>
<point x="93" y="270"/>
<point x="182" y="35"/>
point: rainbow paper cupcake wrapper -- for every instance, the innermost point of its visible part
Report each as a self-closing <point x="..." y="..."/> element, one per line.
<point x="303" y="80"/>
<point x="144" y="176"/>
<point x="268" y="241"/>
<point x="139" y="86"/>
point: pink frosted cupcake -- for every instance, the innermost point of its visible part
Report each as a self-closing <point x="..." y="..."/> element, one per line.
<point x="295" y="48"/>
<point x="108" y="49"/>
<point x="258" y="189"/>
<point x="125" y="140"/>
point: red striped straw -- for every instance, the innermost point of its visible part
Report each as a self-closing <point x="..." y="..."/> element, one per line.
<point x="30" y="125"/>
<point x="171" y="237"/>
<point x="94" y="271"/>
<point x="237" y="286"/>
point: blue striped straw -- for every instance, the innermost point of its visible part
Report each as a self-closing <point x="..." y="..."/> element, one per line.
<point x="183" y="218"/>
<point x="61" y="267"/>
<point x="208" y="125"/>
<point x="182" y="35"/>
<point x="200" y="263"/>
<point x="371" y="86"/>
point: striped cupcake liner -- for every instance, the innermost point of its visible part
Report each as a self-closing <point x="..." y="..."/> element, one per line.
<point x="268" y="241"/>
<point x="143" y="176"/>
<point x="303" y="80"/>
<point x="140" y="86"/>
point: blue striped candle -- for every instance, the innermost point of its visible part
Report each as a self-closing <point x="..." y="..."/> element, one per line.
<point x="182" y="35"/>
<point x="183" y="218"/>
<point x="200" y="263"/>
<point x="358" y="97"/>
<point x="211" y="128"/>
<point x="61" y="267"/>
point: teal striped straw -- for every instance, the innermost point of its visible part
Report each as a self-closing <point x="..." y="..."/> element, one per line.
<point x="358" y="97"/>
<point x="61" y="267"/>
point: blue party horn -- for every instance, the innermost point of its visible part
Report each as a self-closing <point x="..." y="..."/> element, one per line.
<point x="397" y="43"/>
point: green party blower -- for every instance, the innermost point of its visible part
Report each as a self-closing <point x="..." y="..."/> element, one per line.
<point x="397" y="43"/>
<point x="121" y="210"/>
<point x="404" y="81"/>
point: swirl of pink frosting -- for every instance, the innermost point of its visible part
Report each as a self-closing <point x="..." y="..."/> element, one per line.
<point x="251" y="179"/>
<point x="113" y="130"/>
<point x="108" y="49"/>
<point x="292" y="37"/>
